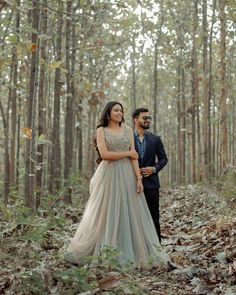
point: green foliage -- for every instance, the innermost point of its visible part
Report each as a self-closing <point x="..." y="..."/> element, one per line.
<point x="79" y="186"/>
<point x="227" y="186"/>
<point x="107" y="259"/>
<point x="75" y="280"/>
<point x="32" y="283"/>
<point x="6" y="213"/>
<point x="41" y="140"/>
<point x="128" y="286"/>
<point x="32" y="240"/>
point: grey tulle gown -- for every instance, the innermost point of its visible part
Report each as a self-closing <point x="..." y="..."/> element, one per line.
<point x="116" y="215"/>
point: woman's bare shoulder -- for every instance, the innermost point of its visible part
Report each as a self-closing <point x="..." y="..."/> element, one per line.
<point x="100" y="130"/>
<point x="129" y="129"/>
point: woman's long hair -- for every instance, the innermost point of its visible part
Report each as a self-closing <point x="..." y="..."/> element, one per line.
<point x="103" y="122"/>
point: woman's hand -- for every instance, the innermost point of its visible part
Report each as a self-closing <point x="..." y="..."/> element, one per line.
<point x="139" y="185"/>
<point x="133" y="155"/>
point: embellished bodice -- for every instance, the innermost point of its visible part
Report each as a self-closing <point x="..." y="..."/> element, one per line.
<point x="117" y="143"/>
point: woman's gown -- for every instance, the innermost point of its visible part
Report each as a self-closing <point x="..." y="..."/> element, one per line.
<point x="116" y="215"/>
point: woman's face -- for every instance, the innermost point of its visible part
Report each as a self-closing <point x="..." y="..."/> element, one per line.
<point x="116" y="114"/>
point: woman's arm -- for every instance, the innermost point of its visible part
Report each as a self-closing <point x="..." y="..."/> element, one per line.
<point x="135" y="163"/>
<point x="108" y="155"/>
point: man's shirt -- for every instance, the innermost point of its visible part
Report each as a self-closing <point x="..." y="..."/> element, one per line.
<point x="141" y="144"/>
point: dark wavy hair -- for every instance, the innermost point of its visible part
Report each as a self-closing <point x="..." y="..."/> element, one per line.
<point x="103" y="122"/>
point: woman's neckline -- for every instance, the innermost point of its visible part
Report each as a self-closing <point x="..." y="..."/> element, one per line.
<point x="116" y="135"/>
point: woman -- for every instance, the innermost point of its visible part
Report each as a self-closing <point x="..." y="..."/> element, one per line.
<point x="116" y="214"/>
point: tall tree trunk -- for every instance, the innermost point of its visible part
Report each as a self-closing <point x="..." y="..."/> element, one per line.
<point x="69" y="118"/>
<point x="181" y="115"/>
<point x="14" y="105"/>
<point x="155" y="70"/>
<point x="194" y="83"/>
<point x="155" y="81"/>
<point x="223" y="109"/>
<point x="18" y="145"/>
<point x="81" y="95"/>
<point x="13" y="120"/>
<point x="79" y="128"/>
<point x="133" y="68"/>
<point x="73" y="90"/>
<point x="206" y="102"/>
<point x="184" y="126"/>
<point x="234" y="132"/>
<point x="210" y="89"/>
<point x="79" y="134"/>
<point x="89" y="141"/>
<point x="179" y="112"/>
<point x="171" y="146"/>
<point x="55" y="166"/>
<point x="199" y="148"/>
<point x="31" y="102"/>
<point x="233" y="111"/>
<point x="5" y="118"/>
<point x="41" y="108"/>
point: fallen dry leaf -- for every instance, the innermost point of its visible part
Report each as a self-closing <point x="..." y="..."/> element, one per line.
<point x="109" y="282"/>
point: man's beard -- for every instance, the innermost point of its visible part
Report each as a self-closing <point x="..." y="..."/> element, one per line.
<point x="145" y="126"/>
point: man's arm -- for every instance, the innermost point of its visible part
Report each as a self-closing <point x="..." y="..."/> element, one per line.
<point x="161" y="155"/>
<point x="162" y="159"/>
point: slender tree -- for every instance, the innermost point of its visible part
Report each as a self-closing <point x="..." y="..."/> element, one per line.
<point x="14" y="102"/>
<point x="223" y="108"/>
<point x="210" y="89"/>
<point x="55" y="165"/>
<point x="5" y="118"/>
<point x="157" y="41"/>
<point x="194" y="83"/>
<point x="206" y="100"/>
<point x="133" y="69"/>
<point x="31" y="103"/>
<point x="41" y="105"/>
<point x="69" y="117"/>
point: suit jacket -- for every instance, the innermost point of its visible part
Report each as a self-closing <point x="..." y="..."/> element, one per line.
<point x="154" y="156"/>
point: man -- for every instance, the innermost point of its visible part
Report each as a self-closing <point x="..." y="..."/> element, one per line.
<point x="152" y="159"/>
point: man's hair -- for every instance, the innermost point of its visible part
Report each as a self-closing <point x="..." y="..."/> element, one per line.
<point x="137" y="112"/>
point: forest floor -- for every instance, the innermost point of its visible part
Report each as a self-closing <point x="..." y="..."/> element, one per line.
<point x="199" y="233"/>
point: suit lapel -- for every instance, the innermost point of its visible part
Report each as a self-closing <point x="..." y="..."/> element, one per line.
<point x="148" y="144"/>
<point x="135" y="142"/>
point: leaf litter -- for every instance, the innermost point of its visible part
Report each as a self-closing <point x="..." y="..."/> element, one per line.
<point x="199" y="233"/>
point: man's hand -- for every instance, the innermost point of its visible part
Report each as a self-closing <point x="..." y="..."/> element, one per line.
<point x="146" y="171"/>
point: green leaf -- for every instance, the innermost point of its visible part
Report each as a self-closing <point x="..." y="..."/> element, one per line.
<point x="13" y="39"/>
<point x="5" y="211"/>
<point x="55" y="65"/>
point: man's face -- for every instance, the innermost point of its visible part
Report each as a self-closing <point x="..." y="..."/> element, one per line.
<point x="143" y="120"/>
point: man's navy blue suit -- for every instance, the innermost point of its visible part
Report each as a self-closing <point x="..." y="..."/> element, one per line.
<point x="154" y="156"/>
